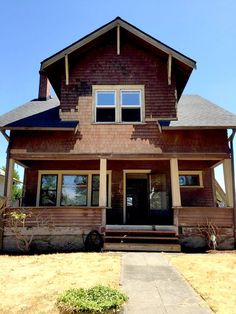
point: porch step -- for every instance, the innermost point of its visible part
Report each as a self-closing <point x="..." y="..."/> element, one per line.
<point x="148" y="247"/>
<point x="141" y="240"/>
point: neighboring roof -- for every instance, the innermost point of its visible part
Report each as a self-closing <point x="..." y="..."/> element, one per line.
<point x="193" y="111"/>
<point x="107" y="27"/>
<point x="36" y="114"/>
<point x="2" y="173"/>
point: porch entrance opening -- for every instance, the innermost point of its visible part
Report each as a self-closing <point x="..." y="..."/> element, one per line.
<point x="147" y="200"/>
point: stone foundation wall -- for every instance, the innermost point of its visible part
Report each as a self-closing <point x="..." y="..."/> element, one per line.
<point x="46" y="240"/>
<point x="192" y="239"/>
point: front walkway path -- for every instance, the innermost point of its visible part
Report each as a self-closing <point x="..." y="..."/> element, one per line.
<point x="154" y="286"/>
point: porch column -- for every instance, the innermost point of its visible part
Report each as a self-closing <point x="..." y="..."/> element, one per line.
<point x="103" y="188"/>
<point x="228" y="178"/>
<point x="9" y="180"/>
<point x="175" y="189"/>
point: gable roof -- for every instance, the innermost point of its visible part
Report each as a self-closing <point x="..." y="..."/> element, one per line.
<point x="107" y="27"/>
<point x="37" y="115"/>
<point x="193" y="112"/>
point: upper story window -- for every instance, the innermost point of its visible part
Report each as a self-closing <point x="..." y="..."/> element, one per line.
<point x="118" y="103"/>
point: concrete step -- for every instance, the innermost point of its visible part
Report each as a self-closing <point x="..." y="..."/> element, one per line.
<point x="147" y="247"/>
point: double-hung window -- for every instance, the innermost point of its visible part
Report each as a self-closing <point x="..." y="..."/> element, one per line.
<point x="118" y="103"/>
<point x="130" y="105"/>
<point x="106" y="106"/>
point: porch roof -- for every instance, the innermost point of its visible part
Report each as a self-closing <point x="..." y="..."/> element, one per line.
<point x="37" y="115"/>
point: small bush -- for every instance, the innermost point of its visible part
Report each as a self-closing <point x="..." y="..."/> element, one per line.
<point x="99" y="299"/>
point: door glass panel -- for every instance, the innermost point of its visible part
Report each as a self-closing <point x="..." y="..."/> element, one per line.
<point x="158" y="195"/>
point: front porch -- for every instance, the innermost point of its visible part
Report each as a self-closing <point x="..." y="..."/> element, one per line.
<point x="140" y="203"/>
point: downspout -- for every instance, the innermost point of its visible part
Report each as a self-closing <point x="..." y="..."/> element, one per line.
<point x="231" y="144"/>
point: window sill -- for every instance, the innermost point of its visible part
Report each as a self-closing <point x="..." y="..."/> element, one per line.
<point x="192" y="187"/>
<point x="118" y="123"/>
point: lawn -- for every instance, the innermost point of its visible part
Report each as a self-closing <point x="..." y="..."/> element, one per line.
<point x="31" y="284"/>
<point x="213" y="276"/>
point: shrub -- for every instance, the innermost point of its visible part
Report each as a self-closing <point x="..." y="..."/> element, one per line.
<point x="99" y="299"/>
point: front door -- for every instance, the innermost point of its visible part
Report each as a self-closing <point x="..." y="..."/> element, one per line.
<point x="137" y="199"/>
<point x="147" y="200"/>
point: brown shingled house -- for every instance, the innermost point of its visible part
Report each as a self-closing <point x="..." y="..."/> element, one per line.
<point x="119" y="150"/>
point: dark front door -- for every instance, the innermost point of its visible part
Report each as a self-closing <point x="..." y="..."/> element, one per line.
<point x="137" y="200"/>
<point x="147" y="200"/>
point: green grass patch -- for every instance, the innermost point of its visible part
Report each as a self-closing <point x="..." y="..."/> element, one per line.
<point x="99" y="299"/>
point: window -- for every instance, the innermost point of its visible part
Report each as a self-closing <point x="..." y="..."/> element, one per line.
<point x="130" y="106"/>
<point x="74" y="190"/>
<point x="71" y="188"/>
<point x="190" y="179"/>
<point x="118" y="103"/>
<point x="105" y="106"/>
<point x="48" y="190"/>
<point x="95" y="190"/>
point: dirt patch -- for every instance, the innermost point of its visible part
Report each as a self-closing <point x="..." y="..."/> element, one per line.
<point x="213" y="276"/>
<point x="31" y="284"/>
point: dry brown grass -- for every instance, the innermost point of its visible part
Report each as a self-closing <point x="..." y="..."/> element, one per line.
<point x="31" y="284"/>
<point x="213" y="276"/>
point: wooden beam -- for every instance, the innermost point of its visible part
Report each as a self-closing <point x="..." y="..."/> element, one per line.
<point x="5" y="135"/>
<point x="9" y="181"/>
<point x="175" y="189"/>
<point x="169" y="67"/>
<point x="103" y="188"/>
<point x="228" y="178"/>
<point x="118" y="39"/>
<point x="67" y="69"/>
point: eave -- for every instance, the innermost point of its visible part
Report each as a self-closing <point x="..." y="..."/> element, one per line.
<point x="118" y="22"/>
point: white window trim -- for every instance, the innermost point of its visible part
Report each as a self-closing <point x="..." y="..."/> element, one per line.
<point x="189" y="173"/>
<point x="118" y="89"/>
<point x="59" y="174"/>
<point x="147" y="171"/>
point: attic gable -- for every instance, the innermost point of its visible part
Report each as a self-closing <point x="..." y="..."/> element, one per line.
<point x="59" y="64"/>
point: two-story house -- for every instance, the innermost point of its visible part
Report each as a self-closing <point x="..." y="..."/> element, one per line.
<point x="119" y="149"/>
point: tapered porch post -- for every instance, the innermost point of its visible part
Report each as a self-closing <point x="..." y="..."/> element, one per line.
<point x="103" y="189"/>
<point x="228" y="178"/>
<point x="9" y="180"/>
<point x="175" y="189"/>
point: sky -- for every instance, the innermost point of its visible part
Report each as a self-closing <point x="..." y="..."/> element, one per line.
<point x="30" y="31"/>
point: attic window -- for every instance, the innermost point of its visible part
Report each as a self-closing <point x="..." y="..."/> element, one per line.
<point x="118" y="103"/>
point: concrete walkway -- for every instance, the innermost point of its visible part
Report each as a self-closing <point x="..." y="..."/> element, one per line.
<point x="154" y="286"/>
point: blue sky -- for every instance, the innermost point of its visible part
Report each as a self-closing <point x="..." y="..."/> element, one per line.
<point x="30" y="31"/>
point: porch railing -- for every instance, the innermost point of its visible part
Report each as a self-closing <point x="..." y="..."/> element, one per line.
<point x="60" y="216"/>
<point x="200" y="216"/>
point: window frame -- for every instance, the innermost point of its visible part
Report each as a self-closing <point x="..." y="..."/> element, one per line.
<point x="118" y="104"/>
<point x="41" y="190"/>
<point x="192" y="173"/>
<point x="60" y="173"/>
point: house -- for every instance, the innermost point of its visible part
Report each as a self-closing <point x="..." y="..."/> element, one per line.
<point x="120" y="150"/>
<point x="2" y="182"/>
